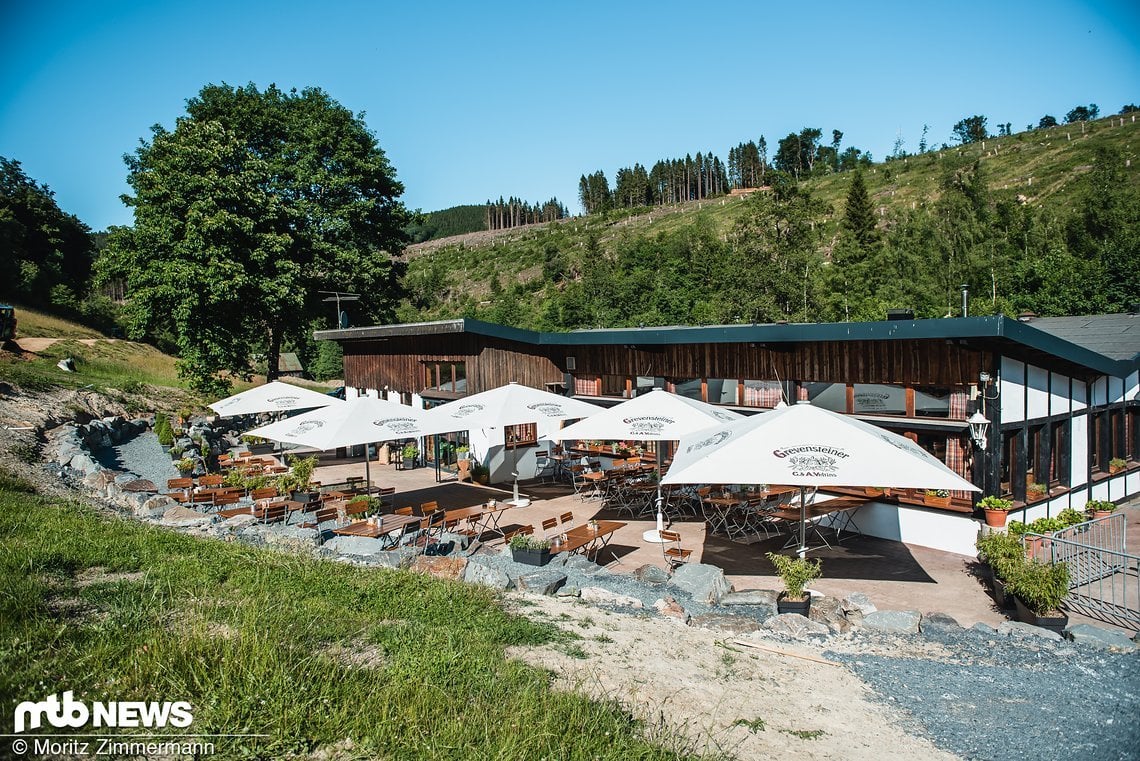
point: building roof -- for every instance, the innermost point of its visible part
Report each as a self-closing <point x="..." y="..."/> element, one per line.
<point x="289" y="362"/>
<point x="1108" y="344"/>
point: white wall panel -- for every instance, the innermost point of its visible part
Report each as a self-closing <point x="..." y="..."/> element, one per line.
<point x="1059" y="394"/>
<point x="1079" y="442"/>
<point x="1036" y="393"/>
<point x="949" y="532"/>
<point x="1099" y="392"/>
<point x="1132" y="387"/>
<point x="1012" y="390"/>
<point x="1080" y="395"/>
<point x="1115" y="389"/>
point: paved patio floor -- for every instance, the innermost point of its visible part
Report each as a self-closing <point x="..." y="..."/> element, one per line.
<point x="894" y="575"/>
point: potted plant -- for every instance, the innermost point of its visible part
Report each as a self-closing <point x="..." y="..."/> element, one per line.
<point x="997" y="509"/>
<point x="1099" y="508"/>
<point x="481" y="474"/>
<point x="936" y="498"/>
<point x="462" y="452"/>
<point x="1116" y="465"/>
<point x="1070" y="517"/>
<point x="1038" y="590"/>
<point x="1036" y="491"/>
<point x="1003" y="554"/>
<point x="409" y="454"/>
<point x="163" y="431"/>
<point x="185" y="466"/>
<point x="528" y="550"/>
<point x="301" y="472"/>
<point x="796" y="573"/>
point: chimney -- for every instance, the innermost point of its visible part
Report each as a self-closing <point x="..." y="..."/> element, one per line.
<point x="965" y="299"/>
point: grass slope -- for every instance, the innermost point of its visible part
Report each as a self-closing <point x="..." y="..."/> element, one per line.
<point x="449" y="276"/>
<point x="310" y="653"/>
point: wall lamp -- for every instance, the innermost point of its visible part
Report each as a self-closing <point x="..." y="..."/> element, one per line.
<point x="979" y="427"/>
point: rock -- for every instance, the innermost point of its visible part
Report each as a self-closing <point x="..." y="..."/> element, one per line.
<point x="185" y="517"/>
<point x="670" y="608"/>
<point x="858" y="602"/>
<point x="568" y="590"/>
<point x="401" y="557"/>
<point x="83" y="463"/>
<point x="983" y="629"/>
<point x="94" y="480"/>
<point x="726" y="622"/>
<point x="940" y="624"/>
<point x="750" y="597"/>
<point x="829" y="612"/>
<point x="357" y="546"/>
<point x="1019" y="630"/>
<point x="651" y="574"/>
<point x="293" y="538"/>
<point x="462" y="541"/>
<point x="600" y="596"/>
<point x="544" y="582"/>
<point x="477" y="573"/>
<point x="1095" y="636"/>
<point x="446" y="567"/>
<point x="139" y="485"/>
<point x="584" y="565"/>
<point x="240" y="521"/>
<point x="795" y="625"/>
<point x="706" y="583"/>
<point x="893" y="621"/>
<point x="154" y="507"/>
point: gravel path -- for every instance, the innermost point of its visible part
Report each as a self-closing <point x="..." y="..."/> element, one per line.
<point x="141" y="455"/>
<point x="990" y="697"/>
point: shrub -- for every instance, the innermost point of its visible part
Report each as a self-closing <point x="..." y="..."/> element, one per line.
<point x="995" y="503"/>
<point x="185" y="465"/>
<point x="1099" y="505"/>
<point x="1046" y="525"/>
<point x="796" y="573"/>
<point x="1004" y="553"/>
<point x="528" y="542"/>
<point x="1070" y="517"/>
<point x="1017" y="528"/>
<point x="1041" y="586"/>
<point x="1118" y="463"/>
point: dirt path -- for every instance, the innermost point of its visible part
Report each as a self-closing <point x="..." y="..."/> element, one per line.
<point x="39" y="344"/>
<point x="699" y="690"/>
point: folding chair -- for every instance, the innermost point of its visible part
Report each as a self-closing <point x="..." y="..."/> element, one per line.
<point x="547" y="525"/>
<point x="671" y="549"/>
<point x="427" y="508"/>
<point x="544" y="467"/>
<point x="567" y="520"/>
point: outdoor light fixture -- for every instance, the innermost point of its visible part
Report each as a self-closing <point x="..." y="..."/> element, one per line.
<point x="984" y="377"/>
<point x="979" y="426"/>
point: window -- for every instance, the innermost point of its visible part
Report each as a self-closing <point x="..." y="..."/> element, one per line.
<point x="1100" y="445"/>
<point x="880" y="399"/>
<point x="445" y="376"/>
<point x="523" y="435"/>
<point x="830" y="396"/>
<point x="587" y="385"/>
<point x="722" y="390"/>
<point x="1008" y="461"/>
<point x="1033" y="456"/>
<point x="930" y="401"/>
<point x="687" y="388"/>
<point x="643" y="384"/>
<point x="762" y="393"/>
<point x="1059" y="454"/>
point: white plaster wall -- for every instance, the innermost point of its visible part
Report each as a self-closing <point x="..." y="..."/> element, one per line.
<point x="1099" y="391"/>
<point x="1100" y="490"/>
<point x="949" y="532"/>
<point x="1039" y="510"/>
<point x="1115" y="389"/>
<point x="1036" y="393"/>
<point x="1012" y="390"/>
<point x="1059" y="395"/>
<point x="1132" y="387"/>
<point x="1079" y="447"/>
<point x="1080" y="395"/>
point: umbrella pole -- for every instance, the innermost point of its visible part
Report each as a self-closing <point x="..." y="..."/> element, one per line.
<point x="660" y="499"/>
<point x="367" y="473"/>
<point x="803" y="522"/>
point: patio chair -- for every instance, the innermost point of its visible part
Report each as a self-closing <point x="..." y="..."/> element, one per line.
<point x="427" y="508"/>
<point x="210" y="482"/>
<point x="269" y="492"/>
<point x="547" y="525"/>
<point x="357" y="509"/>
<point x="402" y="511"/>
<point x="567" y="520"/>
<point x="671" y="549"/>
<point x="545" y="469"/>
<point x="183" y="485"/>
<point x="524" y="531"/>
<point x="453" y="525"/>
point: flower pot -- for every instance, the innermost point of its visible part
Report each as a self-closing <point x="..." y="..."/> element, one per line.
<point x="1101" y="514"/>
<point x="932" y="501"/>
<point x="996" y="518"/>
<point x="1054" y="621"/>
<point x="786" y="605"/>
<point x="531" y="557"/>
<point x="1114" y="469"/>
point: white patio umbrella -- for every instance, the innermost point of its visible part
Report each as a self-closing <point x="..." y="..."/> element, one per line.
<point x="272" y="397"/>
<point x="512" y="404"/>
<point x="807" y="446"/>
<point x="656" y="416"/>
<point x="360" y="420"/>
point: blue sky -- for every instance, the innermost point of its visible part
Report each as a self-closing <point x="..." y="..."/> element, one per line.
<point x="476" y="100"/>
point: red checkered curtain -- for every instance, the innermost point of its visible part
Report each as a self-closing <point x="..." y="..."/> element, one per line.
<point x="767" y="394"/>
<point x="801" y="394"/>
<point x="956" y="444"/>
<point x="587" y="385"/>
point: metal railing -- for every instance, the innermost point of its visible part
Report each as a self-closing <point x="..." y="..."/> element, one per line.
<point x="1104" y="580"/>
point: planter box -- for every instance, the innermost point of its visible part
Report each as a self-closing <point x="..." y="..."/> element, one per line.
<point x="930" y="501"/>
<point x="1055" y="623"/>
<point x="1001" y="598"/>
<point x="531" y="557"/>
<point x="802" y="607"/>
<point x="305" y="496"/>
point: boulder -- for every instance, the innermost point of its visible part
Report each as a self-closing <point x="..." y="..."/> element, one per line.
<point x="601" y="596"/>
<point x="445" y="567"/>
<point x="293" y="538"/>
<point x="893" y="621"/>
<point x="240" y="521"/>
<point x="651" y="574"/>
<point x="582" y="564"/>
<point x="858" y="603"/>
<point x="401" y="557"/>
<point x="184" y="517"/>
<point x="568" y="590"/>
<point x="829" y="612"/>
<point x="751" y="597"/>
<point x="670" y="608"/>
<point x="154" y="507"/>
<point x="705" y="583"/>
<point x="485" y="575"/>
<point x="139" y="485"/>
<point x="462" y="541"/>
<point x="726" y="622"/>
<point x="795" y="625"/>
<point x="358" y="546"/>
<point x="1021" y="631"/>
<point x="940" y="624"/>
<point x="544" y="582"/>
<point x="1100" y="638"/>
<point x="83" y="463"/>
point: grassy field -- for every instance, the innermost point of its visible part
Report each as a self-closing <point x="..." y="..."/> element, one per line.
<point x="40" y="324"/>
<point x="309" y="653"/>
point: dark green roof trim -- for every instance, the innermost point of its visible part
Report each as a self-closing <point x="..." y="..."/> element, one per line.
<point x="955" y="328"/>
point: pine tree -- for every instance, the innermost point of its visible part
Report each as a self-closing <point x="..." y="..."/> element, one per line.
<point x="859" y="214"/>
